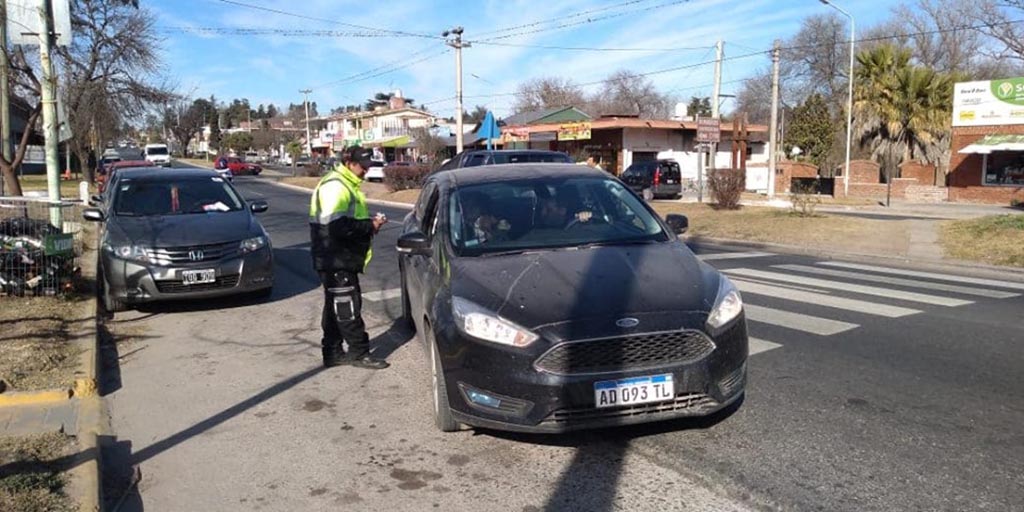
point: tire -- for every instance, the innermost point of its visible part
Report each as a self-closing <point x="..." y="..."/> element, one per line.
<point x="443" y="418"/>
<point x="406" y="305"/>
<point x="110" y="303"/>
<point x="648" y="194"/>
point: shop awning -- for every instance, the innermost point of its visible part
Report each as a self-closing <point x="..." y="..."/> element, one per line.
<point x="993" y="143"/>
<point x="395" y="142"/>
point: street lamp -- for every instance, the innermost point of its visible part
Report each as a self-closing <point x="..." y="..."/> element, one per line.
<point x="849" y="99"/>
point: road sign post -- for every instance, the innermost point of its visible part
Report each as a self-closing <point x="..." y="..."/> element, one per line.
<point x="709" y="132"/>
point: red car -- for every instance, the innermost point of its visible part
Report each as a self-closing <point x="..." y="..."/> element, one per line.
<point x="239" y="167"/>
<point x="107" y="172"/>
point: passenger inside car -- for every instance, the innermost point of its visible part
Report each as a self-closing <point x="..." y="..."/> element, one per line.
<point x="479" y="225"/>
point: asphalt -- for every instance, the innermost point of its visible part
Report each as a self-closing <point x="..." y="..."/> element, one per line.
<point x="910" y="398"/>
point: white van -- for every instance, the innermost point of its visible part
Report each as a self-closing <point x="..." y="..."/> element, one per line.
<point x="158" y="154"/>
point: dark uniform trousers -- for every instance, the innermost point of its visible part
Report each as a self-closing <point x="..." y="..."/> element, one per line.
<point x="342" y="318"/>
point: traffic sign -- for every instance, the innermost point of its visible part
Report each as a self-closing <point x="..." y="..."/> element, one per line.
<point x="708" y="130"/>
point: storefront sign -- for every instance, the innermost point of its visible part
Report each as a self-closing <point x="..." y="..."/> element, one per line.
<point x="708" y="130"/>
<point x="59" y="245"/>
<point x="988" y="103"/>
<point x="511" y="135"/>
<point x="574" y="131"/>
<point x="542" y="136"/>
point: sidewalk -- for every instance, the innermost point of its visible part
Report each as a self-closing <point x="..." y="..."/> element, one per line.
<point x="935" y="211"/>
<point x="20" y="420"/>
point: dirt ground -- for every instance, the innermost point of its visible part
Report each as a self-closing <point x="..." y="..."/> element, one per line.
<point x="996" y="240"/>
<point x="31" y="473"/>
<point x="34" y="349"/>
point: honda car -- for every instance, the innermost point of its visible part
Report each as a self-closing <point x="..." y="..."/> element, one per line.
<point x="179" y="234"/>
<point x="550" y="297"/>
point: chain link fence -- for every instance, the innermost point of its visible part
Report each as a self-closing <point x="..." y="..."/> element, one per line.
<point x="40" y="245"/>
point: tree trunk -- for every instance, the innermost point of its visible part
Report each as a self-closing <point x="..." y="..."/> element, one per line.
<point x="12" y="186"/>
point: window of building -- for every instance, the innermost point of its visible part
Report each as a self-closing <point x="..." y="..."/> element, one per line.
<point x="1004" y="168"/>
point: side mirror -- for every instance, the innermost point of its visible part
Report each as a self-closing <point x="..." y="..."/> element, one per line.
<point x="413" y="243"/>
<point x="94" y="215"/>
<point x="678" y="223"/>
<point x="259" y="206"/>
<point x="96" y="199"/>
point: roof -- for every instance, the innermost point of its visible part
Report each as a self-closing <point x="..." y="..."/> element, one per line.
<point x="503" y="172"/>
<point x="606" y="123"/>
<point x="537" y="116"/>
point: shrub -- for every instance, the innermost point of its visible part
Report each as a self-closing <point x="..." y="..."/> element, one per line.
<point x="1016" y="203"/>
<point x="405" y="177"/>
<point x="803" y="195"/>
<point x="726" y="187"/>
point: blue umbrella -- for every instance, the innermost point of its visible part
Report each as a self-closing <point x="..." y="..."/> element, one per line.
<point x="489" y="129"/>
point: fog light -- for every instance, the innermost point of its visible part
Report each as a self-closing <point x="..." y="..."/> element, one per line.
<point x="494" y="403"/>
<point x="482" y="399"/>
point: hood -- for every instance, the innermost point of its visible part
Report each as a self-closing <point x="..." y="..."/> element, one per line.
<point x="578" y="294"/>
<point x="185" y="230"/>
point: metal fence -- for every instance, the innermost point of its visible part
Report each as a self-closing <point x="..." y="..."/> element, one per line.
<point x="40" y="246"/>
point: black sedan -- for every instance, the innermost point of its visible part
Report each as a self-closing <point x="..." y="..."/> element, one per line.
<point x="551" y="298"/>
<point x="179" y="234"/>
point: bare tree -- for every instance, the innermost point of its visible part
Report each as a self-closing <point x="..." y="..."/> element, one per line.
<point x="755" y="97"/>
<point x="185" y="120"/>
<point x="430" y="146"/>
<point x="548" y="92"/>
<point x="995" y="18"/>
<point x="627" y="93"/>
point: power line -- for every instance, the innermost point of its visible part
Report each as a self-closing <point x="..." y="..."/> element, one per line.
<point x="904" y="35"/>
<point x="593" y="49"/>
<point x="237" y="31"/>
<point x="335" y="22"/>
<point x="390" y="67"/>
<point x="568" y="16"/>
<point x="582" y="22"/>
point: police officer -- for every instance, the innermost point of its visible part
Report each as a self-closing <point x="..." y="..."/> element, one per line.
<point x="341" y="230"/>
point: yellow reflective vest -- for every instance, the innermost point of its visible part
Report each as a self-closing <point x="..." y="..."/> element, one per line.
<point x="340" y="226"/>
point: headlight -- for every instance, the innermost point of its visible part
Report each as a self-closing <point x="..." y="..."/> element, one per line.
<point x="480" y="323"/>
<point x="129" y="252"/>
<point x="728" y="304"/>
<point x="253" y="244"/>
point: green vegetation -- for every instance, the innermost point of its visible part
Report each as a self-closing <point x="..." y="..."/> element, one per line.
<point x="996" y="239"/>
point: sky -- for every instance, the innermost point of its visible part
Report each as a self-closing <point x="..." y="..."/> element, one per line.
<point x="235" y="49"/>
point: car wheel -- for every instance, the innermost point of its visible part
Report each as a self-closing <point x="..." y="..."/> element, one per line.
<point x="406" y="305"/>
<point x="648" y="194"/>
<point x="110" y="303"/>
<point x="442" y="411"/>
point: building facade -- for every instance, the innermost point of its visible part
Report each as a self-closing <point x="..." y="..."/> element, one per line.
<point x="987" y="161"/>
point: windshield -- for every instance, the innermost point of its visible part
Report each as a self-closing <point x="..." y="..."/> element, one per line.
<point x="175" y="196"/>
<point x="522" y="158"/>
<point x="156" y="151"/>
<point x="546" y="214"/>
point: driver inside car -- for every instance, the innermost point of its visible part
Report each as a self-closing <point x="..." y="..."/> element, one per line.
<point x="554" y="214"/>
<point x="479" y="225"/>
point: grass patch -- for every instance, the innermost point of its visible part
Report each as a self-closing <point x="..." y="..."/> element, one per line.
<point x="34" y="349"/>
<point x="773" y="225"/>
<point x="32" y="480"/>
<point x="996" y="239"/>
<point x="36" y="183"/>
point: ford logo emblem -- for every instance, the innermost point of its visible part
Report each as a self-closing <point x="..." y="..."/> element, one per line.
<point x="626" y="323"/>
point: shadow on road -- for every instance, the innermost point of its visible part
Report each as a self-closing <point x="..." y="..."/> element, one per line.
<point x="387" y="342"/>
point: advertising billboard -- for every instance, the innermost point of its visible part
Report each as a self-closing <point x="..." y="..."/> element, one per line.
<point x="989" y="103"/>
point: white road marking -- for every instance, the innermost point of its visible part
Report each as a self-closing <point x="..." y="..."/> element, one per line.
<point x="849" y="287"/>
<point x="382" y="295"/>
<point x="831" y="301"/>
<point x="981" y="292"/>
<point x="733" y="255"/>
<point x="797" y="321"/>
<point x="927" y="275"/>
<point x="786" y="286"/>
<point x="757" y="345"/>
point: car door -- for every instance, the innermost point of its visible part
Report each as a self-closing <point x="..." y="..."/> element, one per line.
<point x="416" y="266"/>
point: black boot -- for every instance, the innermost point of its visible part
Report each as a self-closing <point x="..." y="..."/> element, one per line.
<point x="333" y="356"/>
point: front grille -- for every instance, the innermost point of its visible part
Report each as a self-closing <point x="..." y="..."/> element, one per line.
<point x="693" y="403"/>
<point x="626" y="353"/>
<point x="184" y="254"/>
<point x="178" y="287"/>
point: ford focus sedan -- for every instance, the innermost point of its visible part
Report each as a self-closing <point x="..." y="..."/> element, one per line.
<point x="174" y="234"/>
<point x="551" y="298"/>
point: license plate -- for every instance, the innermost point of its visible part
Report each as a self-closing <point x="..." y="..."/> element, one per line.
<point x="198" y="276"/>
<point x="670" y="182"/>
<point x="636" y="390"/>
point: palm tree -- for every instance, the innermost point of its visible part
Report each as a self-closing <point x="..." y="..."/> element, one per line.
<point x="902" y="110"/>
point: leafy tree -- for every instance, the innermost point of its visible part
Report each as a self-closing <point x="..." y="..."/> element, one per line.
<point x="294" y="149"/>
<point x="213" y="119"/>
<point x="383" y="99"/>
<point x="431" y="147"/>
<point x="272" y="111"/>
<point x="261" y="112"/>
<point x="699" y="106"/>
<point x="811" y="129"/>
<point x="238" y="141"/>
<point x="902" y="111"/>
<point x="477" y="115"/>
<point x="188" y="120"/>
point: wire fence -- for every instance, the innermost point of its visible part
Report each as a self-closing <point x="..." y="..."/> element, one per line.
<point x="40" y="246"/>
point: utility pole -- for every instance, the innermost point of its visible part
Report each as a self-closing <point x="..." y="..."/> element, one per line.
<point x="774" y="127"/>
<point x="5" y="100"/>
<point x="309" y="140"/>
<point x="719" y="50"/>
<point x="456" y="42"/>
<point x="49" y="100"/>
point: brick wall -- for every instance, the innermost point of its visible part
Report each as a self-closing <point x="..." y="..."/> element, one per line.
<point x="922" y="172"/>
<point x="965" y="179"/>
<point x="863" y="171"/>
<point x="878" y="190"/>
<point x="786" y="170"/>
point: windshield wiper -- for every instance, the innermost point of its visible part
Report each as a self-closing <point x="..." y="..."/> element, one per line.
<point x="608" y="243"/>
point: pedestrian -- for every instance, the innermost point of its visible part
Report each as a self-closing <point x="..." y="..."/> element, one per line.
<point x="594" y="160"/>
<point x="341" y="231"/>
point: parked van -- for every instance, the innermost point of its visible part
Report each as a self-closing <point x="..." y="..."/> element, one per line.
<point x="158" y="154"/>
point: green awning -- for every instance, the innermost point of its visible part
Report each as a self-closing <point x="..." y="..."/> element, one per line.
<point x="395" y="142"/>
<point x="998" y="142"/>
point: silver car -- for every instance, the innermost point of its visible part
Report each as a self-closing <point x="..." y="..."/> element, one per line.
<point x="175" y="234"/>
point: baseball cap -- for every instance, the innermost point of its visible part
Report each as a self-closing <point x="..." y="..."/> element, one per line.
<point x="361" y="156"/>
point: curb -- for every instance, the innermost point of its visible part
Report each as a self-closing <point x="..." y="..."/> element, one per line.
<point x="46" y="396"/>
<point x="897" y="261"/>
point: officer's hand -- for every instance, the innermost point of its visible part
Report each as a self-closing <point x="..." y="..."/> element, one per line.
<point x="379" y="220"/>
